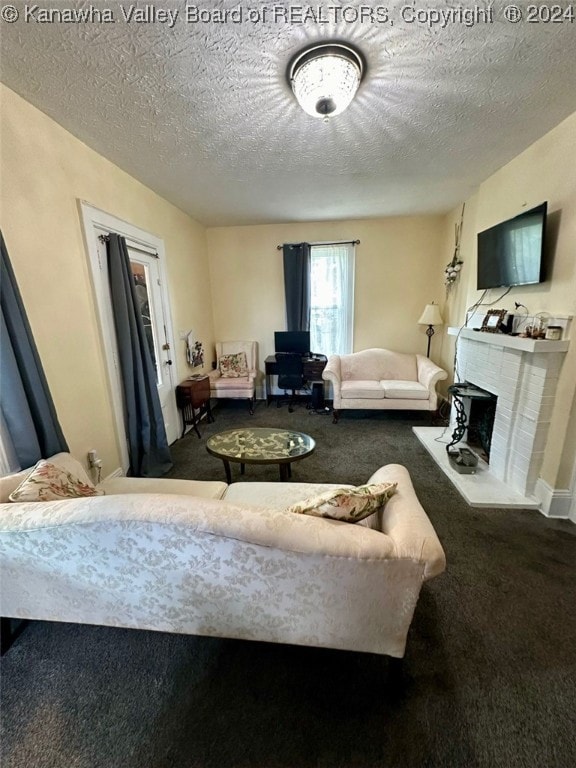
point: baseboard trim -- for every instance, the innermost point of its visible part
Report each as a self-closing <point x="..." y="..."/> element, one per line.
<point x="554" y="502"/>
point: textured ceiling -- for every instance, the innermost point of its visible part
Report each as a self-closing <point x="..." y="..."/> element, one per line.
<point x="202" y="113"/>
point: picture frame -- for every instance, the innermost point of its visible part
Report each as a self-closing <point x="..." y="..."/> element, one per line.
<point x="493" y="320"/>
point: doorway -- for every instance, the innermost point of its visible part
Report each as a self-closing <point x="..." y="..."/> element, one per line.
<point x="147" y="261"/>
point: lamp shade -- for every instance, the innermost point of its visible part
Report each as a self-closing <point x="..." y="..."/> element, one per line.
<point x="431" y="315"/>
<point x="325" y="78"/>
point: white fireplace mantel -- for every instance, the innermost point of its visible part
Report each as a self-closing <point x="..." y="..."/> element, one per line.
<point x="523" y="374"/>
<point x="511" y="342"/>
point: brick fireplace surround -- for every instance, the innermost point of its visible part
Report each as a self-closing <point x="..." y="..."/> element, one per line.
<point x="523" y="374"/>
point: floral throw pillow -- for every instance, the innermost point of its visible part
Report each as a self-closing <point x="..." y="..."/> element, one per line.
<point x="47" y="482"/>
<point x="348" y="504"/>
<point x="233" y="366"/>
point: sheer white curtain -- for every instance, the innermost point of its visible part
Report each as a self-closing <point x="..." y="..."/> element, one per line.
<point x="332" y="298"/>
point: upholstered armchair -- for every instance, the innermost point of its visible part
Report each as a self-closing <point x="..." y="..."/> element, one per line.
<point x="233" y="378"/>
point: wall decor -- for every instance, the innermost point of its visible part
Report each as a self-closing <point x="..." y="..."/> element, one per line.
<point x="452" y="269"/>
<point x="194" y="351"/>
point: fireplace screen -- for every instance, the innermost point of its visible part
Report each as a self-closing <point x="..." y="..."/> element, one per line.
<point x="475" y="413"/>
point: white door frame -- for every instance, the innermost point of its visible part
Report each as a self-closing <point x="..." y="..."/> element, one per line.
<point x="97" y="222"/>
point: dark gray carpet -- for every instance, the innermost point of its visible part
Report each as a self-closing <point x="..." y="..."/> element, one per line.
<point x="488" y="678"/>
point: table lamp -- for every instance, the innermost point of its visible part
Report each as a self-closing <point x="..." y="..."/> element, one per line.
<point x="430" y="317"/>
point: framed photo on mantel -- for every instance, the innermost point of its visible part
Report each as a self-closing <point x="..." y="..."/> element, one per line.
<point x="493" y="320"/>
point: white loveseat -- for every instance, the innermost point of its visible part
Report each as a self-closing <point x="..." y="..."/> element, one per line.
<point x="382" y="379"/>
<point x="205" y="558"/>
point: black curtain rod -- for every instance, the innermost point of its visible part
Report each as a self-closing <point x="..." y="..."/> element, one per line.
<point x="336" y="242"/>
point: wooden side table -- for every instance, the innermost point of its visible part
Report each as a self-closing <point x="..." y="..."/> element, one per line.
<point x="193" y="400"/>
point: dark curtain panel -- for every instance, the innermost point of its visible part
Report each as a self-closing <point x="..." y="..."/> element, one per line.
<point x="297" y="286"/>
<point x="147" y="444"/>
<point x="25" y="399"/>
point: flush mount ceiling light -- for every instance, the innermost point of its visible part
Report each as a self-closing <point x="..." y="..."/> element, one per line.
<point x="325" y="78"/>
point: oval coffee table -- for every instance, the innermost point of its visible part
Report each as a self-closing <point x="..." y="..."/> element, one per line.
<point x="260" y="445"/>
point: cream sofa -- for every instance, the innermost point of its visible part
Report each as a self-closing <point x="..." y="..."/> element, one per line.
<point x="382" y="379"/>
<point x="205" y="558"/>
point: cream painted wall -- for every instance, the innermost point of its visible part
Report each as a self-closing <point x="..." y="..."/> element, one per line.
<point x="545" y="171"/>
<point x="456" y="300"/>
<point x="45" y="171"/>
<point x="396" y="276"/>
<point x="399" y="264"/>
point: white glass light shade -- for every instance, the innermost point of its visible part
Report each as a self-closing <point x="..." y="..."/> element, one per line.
<point x="431" y="315"/>
<point x="325" y="79"/>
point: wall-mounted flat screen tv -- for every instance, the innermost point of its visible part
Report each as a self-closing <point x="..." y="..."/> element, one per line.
<point x="511" y="253"/>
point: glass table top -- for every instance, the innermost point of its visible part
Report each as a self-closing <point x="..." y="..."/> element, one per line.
<point x="260" y="445"/>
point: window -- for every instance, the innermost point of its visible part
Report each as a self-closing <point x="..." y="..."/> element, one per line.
<point x="332" y="298"/>
<point x="141" y="276"/>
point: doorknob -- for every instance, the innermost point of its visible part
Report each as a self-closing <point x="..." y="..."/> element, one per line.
<point x="168" y="362"/>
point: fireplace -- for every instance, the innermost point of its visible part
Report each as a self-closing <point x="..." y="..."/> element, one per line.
<point x="521" y="376"/>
